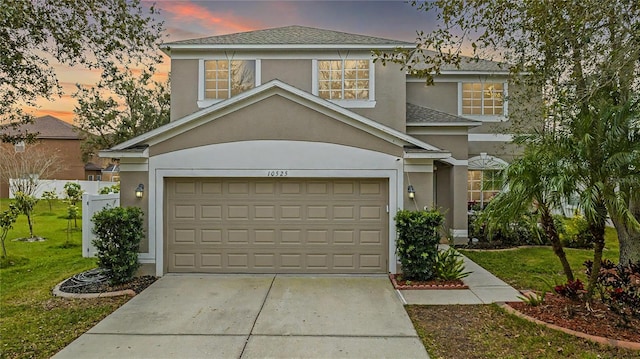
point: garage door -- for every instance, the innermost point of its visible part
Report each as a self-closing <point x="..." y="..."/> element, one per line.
<point x="283" y="225"/>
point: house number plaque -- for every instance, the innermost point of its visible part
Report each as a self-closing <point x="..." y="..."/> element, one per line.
<point x="277" y="173"/>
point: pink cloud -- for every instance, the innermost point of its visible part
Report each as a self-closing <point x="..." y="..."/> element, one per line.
<point x="186" y="12"/>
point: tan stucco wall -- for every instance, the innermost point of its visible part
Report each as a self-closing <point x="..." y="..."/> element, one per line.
<point x="275" y="118"/>
<point x="442" y="96"/>
<point x="128" y="183"/>
<point x="422" y="183"/>
<point x="390" y="91"/>
<point x="456" y="144"/>
<point x="296" y="73"/>
<point x="505" y="151"/>
<point x="184" y="88"/>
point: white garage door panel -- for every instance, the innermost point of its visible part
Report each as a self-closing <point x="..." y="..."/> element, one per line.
<point x="276" y="225"/>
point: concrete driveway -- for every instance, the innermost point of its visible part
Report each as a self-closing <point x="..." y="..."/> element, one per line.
<point x="256" y="316"/>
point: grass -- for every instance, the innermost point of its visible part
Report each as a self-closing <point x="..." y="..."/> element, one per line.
<point x="486" y="331"/>
<point x="33" y="322"/>
<point x="537" y="266"/>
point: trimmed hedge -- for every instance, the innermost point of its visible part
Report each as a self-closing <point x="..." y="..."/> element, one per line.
<point x="119" y="232"/>
<point x="417" y="242"/>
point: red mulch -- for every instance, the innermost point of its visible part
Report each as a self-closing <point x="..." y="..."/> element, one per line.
<point x="574" y="315"/>
<point x="400" y="283"/>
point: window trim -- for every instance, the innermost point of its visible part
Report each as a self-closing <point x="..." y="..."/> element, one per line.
<point x="370" y="103"/>
<point x="206" y="102"/>
<point x="483" y="163"/>
<point x="486" y="118"/>
<point x="19" y="147"/>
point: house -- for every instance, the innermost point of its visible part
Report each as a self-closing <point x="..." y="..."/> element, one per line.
<point x="290" y="151"/>
<point x="58" y="138"/>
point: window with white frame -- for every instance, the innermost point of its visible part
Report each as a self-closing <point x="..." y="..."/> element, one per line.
<point x="344" y="79"/>
<point x="483" y="98"/>
<point x="89" y="177"/>
<point x="483" y="179"/>
<point x="226" y="78"/>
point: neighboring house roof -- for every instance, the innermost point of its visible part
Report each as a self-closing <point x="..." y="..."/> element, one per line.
<point x="90" y="166"/>
<point x="47" y="127"/>
<point x="112" y="168"/>
<point x="424" y="116"/>
<point x="273" y="87"/>
<point x="289" y="37"/>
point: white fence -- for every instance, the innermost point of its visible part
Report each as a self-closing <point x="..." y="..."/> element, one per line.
<point x="90" y="187"/>
<point x="90" y="205"/>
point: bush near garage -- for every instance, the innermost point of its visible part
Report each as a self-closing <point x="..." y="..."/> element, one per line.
<point x="119" y="232"/>
<point x="417" y="242"/>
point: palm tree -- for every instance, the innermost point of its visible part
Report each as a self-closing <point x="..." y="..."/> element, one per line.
<point x="600" y="147"/>
<point x="534" y="181"/>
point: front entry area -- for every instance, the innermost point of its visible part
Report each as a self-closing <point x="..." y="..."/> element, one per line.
<point x="276" y="225"/>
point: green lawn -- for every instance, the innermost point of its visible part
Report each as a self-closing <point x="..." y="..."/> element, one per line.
<point x="524" y="268"/>
<point x="33" y="322"/>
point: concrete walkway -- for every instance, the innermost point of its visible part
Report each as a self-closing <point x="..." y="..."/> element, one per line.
<point x="256" y="316"/>
<point x="484" y="288"/>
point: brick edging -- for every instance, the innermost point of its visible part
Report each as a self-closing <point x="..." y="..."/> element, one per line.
<point x="392" y="277"/>
<point x="601" y="340"/>
<point x="58" y="293"/>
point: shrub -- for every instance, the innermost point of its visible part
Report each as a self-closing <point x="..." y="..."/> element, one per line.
<point x="7" y="219"/>
<point x="577" y="234"/>
<point x="619" y="287"/>
<point x="573" y="289"/>
<point x="523" y="231"/>
<point x="50" y="196"/>
<point x="449" y="265"/>
<point x="119" y="232"/>
<point x="110" y="189"/>
<point x="418" y="238"/>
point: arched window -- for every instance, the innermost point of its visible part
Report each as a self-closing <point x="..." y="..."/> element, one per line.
<point x="483" y="182"/>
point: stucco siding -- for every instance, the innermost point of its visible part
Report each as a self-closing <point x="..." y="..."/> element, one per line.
<point x="275" y="118"/>
<point x="390" y="88"/>
<point x="184" y="88"/>
<point x="456" y="144"/>
<point x="442" y="96"/>
<point x="296" y="73"/>
<point x="128" y="183"/>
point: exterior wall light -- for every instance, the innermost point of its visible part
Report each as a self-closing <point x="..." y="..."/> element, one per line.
<point x="411" y="192"/>
<point x="140" y="191"/>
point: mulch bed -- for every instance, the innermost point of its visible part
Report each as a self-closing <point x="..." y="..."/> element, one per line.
<point x="597" y="320"/>
<point x="94" y="281"/>
<point x="400" y="283"/>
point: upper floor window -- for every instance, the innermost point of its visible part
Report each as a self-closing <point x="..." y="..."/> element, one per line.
<point x="226" y="78"/>
<point x="347" y="82"/>
<point x="343" y="79"/>
<point x="483" y="98"/>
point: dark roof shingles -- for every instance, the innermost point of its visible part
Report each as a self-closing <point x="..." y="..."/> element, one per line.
<point x="419" y="114"/>
<point x="290" y="35"/>
<point x="47" y="127"/>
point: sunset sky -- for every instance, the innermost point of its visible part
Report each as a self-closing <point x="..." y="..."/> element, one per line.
<point x="393" y="19"/>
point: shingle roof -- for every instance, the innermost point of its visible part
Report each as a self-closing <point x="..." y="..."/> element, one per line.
<point x="47" y="127"/>
<point x="290" y="35"/>
<point x="470" y="64"/>
<point x="419" y="115"/>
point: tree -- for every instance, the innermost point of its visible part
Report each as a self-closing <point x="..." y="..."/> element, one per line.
<point x="584" y="57"/>
<point x="532" y="182"/>
<point x="25" y="204"/>
<point x="36" y="35"/>
<point x="50" y="196"/>
<point x="7" y="219"/>
<point x="139" y="106"/>
<point x="25" y="169"/>
<point x="73" y="193"/>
